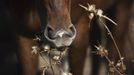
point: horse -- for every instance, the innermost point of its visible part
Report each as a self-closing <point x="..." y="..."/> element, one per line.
<point x="58" y="18"/>
<point x="27" y="18"/>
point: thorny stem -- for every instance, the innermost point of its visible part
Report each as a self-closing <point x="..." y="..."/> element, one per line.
<point x="49" y="62"/>
<point x="109" y="19"/>
<point x="99" y="13"/>
<point x="51" y="65"/>
<point x="103" y="52"/>
<point x="44" y="71"/>
<point x="113" y="65"/>
<point x="44" y="59"/>
<point x="103" y="16"/>
<point x="109" y="32"/>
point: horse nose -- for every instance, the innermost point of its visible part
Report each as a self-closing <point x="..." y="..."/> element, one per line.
<point x="60" y="37"/>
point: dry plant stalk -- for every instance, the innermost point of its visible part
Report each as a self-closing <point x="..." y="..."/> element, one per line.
<point x="52" y="60"/>
<point x="119" y="67"/>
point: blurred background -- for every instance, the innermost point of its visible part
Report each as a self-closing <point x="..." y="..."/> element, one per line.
<point x="8" y="59"/>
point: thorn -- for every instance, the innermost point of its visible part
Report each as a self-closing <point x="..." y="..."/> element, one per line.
<point x="109" y="19"/>
<point x="91" y="15"/>
<point x="34" y="50"/>
<point x="83" y="7"/>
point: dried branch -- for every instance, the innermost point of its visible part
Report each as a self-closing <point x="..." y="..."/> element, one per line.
<point x="120" y="67"/>
<point x="48" y="51"/>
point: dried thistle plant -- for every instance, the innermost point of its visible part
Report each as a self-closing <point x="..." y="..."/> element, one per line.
<point x="101" y="51"/>
<point x="119" y="67"/>
<point x="52" y="58"/>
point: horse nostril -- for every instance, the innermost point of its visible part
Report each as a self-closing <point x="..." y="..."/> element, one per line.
<point x="72" y="30"/>
<point x="49" y="33"/>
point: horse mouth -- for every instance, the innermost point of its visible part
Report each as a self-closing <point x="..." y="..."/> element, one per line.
<point x="53" y="53"/>
<point x="56" y="53"/>
<point x="49" y="55"/>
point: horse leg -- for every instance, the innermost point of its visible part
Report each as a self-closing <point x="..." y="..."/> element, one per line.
<point x="27" y="60"/>
<point x="78" y="48"/>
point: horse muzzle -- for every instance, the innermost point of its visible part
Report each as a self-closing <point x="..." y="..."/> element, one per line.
<point x="62" y="37"/>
